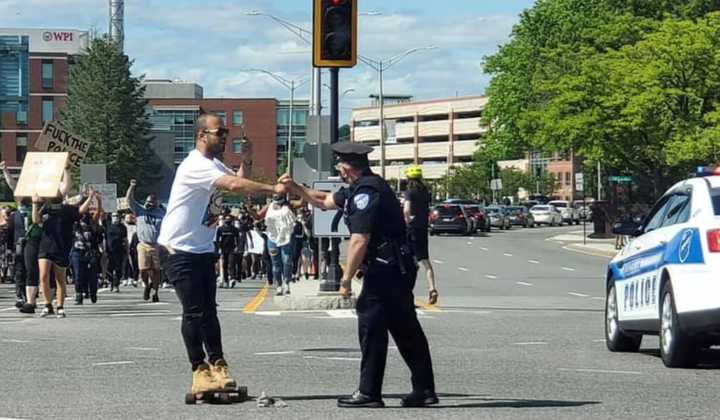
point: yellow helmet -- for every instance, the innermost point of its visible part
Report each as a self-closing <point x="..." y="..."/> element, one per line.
<point x="414" y="172"/>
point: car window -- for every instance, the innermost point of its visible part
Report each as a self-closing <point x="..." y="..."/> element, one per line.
<point x="678" y="210"/>
<point x="541" y="208"/>
<point x="449" y="211"/>
<point x="559" y="204"/>
<point x="657" y="215"/>
<point x="715" y="197"/>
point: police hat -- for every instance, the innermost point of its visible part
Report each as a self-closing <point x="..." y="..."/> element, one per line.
<point x="351" y="152"/>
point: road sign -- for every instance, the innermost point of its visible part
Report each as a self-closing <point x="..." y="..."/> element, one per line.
<point x="496" y="184"/>
<point x="620" y="179"/>
<point x="579" y="181"/>
<point x="323" y="219"/>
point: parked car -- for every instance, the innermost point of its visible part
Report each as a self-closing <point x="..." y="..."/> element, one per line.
<point x="450" y="218"/>
<point x="521" y="216"/>
<point x="498" y="217"/>
<point x="546" y="214"/>
<point x="584" y="209"/>
<point x="477" y="213"/>
<point x="569" y="213"/>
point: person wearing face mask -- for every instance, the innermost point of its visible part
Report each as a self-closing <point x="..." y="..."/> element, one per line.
<point x="83" y="259"/>
<point x="116" y="249"/>
<point x="280" y="221"/>
<point x="130" y="271"/>
<point x="57" y="221"/>
<point x="226" y="238"/>
<point x="148" y="219"/>
<point x="378" y="244"/>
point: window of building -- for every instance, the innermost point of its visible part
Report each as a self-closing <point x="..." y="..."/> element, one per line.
<point x="20" y="147"/>
<point x="373" y="123"/>
<point x="237" y="146"/>
<point x="21" y="117"/>
<point x="222" y="115"/>
<point x="237" y="118"/>
<point x="47" y="74"/>
<point x="47" y="109"/>
<point x="568" y="179"/>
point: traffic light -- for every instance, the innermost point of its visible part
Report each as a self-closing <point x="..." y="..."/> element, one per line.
<point x="335" y="33"/>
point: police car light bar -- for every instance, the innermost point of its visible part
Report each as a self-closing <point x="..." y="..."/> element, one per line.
<point x="708" y="171"/>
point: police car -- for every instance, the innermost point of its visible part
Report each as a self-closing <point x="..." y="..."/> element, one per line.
<point x="666" y="281"/>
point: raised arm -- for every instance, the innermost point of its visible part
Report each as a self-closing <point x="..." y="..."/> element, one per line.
<point x="85" y="207"/>
<point x="8" y="178"/>
<point x="37" y="201"/>
<point x="66" y="183"/>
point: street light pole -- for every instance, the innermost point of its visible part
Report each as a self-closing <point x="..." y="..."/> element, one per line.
<point x="381" y="66"/>
<point x="290" y="130"/>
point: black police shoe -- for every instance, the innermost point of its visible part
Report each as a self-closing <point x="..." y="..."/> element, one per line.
<point x="420" y="399"/>
<point x="360" y="400"/>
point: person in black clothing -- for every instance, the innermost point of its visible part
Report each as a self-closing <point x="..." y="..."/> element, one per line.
<point x="298" y="244"/>
<point x="17" y="223"/>
<point x="116" y="247"/>
<point x="227" y="238"/>
<point x="84" y="259"/>
<point x="57" y="221"/>
<point x="378" y="243"/>
<point x="238" y="254"/>
<point x="416" y="210"/>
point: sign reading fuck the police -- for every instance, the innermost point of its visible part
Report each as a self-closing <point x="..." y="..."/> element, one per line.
<point x="55" y="138"/>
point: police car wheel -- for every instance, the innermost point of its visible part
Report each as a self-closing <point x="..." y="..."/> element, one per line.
<point x="615" y="339"/>
<point x="677" y="349"/>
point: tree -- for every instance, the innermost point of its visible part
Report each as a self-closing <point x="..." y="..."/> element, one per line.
<point x="630" y="83"/>
<point x="105" y="105"/>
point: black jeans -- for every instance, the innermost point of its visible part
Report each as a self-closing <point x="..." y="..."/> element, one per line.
<point x="32" y="247"/>
<point x="193" y="276"/>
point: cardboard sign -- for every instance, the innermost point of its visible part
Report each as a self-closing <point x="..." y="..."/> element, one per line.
<point x="109" y="196"/>
<point x="55" y="138"/>
<point x="41" y="173"/>
<point x="122" y="204"/>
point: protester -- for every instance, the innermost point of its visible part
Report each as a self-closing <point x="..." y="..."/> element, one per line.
<point x="149" y="218"/>
<point x="116" y="250"/>
<point x="227" y="238"/>
<point x="279" y="222"/>
<point x="84" y="258"/>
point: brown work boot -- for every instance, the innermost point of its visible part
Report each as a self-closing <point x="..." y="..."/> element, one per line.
<point x="222" y="376"/>
<point x="203" y="380"/>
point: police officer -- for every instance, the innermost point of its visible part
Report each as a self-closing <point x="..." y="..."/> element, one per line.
<point x="378" y="244"/>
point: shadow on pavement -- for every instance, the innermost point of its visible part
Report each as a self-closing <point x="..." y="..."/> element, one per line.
<point x="451" y="400"/>
<point x="708" y="359"/>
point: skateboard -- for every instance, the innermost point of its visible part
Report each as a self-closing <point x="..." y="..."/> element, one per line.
<point x="224" y="396"/>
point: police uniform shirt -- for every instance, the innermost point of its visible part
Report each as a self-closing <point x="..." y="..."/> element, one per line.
<point x="360" y="208"/>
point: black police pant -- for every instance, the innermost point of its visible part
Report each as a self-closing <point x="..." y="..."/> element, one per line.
<point x="193" y="276"/>
<point x="381" y="311"/>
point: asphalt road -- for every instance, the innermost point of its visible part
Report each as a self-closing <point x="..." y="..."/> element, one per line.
<point x="518" y="334"/>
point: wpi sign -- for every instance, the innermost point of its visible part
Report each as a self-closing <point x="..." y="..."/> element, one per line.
<point x="58" y="36"/>
<point x="55" y="138"/>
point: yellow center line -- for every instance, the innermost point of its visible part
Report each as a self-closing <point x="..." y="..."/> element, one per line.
<point x="424" y="306"/>
<point x="258" y="300"/>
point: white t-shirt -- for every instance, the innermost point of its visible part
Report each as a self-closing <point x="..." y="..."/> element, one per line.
<point x="280" y="222"/>
<point x="193" y="209"/>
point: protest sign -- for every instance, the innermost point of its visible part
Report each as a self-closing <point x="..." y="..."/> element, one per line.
<point x="55" y="138"/>
<point x="108" y="192"/>
<point x="41" y="173"/>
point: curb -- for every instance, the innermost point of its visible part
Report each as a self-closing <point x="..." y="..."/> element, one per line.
<point x="582" y="249"/>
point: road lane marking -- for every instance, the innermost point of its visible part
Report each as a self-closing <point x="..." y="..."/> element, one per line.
<point x="626" y="372"/>
<point x="16" y="341"/>
<point x="507" y="254"/>
<point x="534" y="261"/>
<point x="463" y="269"/>
<point x="490" y="276"/>
<point x="342" y="313"/>
<point x="598" y="298"/>
<point x="469" y="243"/>
<point x="143" y="348"/>
<point x="126" y="362"/>
<point x="425" y="307"/>
<point x="577" y="294"/>
<point x="344" y="359"/>
<point x="274" y="353"/>
<point x="568" y="269"/>
<point x="522" y="283"/>
<point x="8" y="309"/>
<point x="484" y="249"/>
<point x="438" y="262"/>
<point x="255" y="303"/>
<point x="599" y="341"/>
<point x="531" y="343"/>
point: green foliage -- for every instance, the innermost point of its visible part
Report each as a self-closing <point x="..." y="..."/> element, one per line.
<point x="631" y="83"/>
<point x="105" y="105"/>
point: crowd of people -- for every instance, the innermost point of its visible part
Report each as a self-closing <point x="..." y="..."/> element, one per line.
<point x="48" y="244"/>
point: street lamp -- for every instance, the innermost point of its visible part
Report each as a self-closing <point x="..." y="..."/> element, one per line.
<point x="380" y="66"/>
<point x="292" y="85"/>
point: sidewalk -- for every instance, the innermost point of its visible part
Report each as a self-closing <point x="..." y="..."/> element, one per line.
<point x="573" y="241"/>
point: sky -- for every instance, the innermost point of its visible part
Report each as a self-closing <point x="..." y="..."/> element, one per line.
<point x="211" y="42"/>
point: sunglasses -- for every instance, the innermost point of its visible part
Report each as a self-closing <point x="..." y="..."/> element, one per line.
<point x="220" y="132"/>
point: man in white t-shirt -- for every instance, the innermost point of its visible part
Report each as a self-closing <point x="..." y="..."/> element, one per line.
<point x="187" y="234"/>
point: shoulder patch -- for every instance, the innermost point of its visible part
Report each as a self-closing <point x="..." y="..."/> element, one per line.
<point x="361" y="201"/>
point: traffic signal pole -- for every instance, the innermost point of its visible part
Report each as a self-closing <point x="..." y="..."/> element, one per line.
<point x="334" y="275"/>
